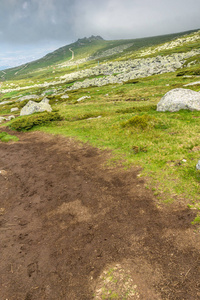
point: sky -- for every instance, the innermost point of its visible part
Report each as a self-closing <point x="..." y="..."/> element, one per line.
<point x="29" y="29"/>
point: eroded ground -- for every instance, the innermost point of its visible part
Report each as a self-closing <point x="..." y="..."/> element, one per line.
<point x="71" y="228"/>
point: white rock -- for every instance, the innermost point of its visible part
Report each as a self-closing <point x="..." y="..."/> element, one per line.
<point x="10" y="118"/>
<point x="2" y="119"/>
<point x="178" y="99"/>
<point x="192" y="83"/>
<point x="32" y="107"/>
<point x="198" y="165"/>
<point x="14" y="109"/>
<point x="84" y="97"/>
<point x="5" y="102"/>
<point x="65" y="97"/>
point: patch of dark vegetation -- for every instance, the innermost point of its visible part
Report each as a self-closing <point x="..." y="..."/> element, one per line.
<point x="133" y="109"/>
<point x="137" y="99"/>
<point x="138" y="149"/>
<point x="192" y="71"/>
<point x="84" y="116"/>
<point x="25" y="123"/>
<point x="161" y="125"/>
<point x="131" y="81"/>
<point x="141" y="122"/>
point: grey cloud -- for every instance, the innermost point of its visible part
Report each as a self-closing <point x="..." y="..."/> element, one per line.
<point x="39" y="23"/>
<point x="29" y="21"/>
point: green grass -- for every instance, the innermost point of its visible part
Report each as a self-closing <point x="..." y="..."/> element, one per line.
<point x="196" y="221"/>
<point x="164" y="144"/>
<point x="5" y="137"/>
<point x="160" y="147"/>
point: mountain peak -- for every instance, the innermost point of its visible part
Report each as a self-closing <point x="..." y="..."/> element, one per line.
<point x="90" y="39"/>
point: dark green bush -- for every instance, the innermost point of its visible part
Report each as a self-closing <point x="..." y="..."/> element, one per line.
<point x="141" y="122"/>
<point x="25" y="123"/>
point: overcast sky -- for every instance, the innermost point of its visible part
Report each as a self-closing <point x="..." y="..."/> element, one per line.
<point x="31" y="28"/>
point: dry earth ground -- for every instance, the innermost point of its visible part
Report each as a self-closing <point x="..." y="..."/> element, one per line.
<point x="71" y="228"/>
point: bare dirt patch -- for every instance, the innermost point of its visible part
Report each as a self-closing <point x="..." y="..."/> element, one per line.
<point x="72" y="229"/>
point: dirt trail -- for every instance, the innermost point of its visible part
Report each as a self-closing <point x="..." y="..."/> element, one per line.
<point x="72" y="229"/>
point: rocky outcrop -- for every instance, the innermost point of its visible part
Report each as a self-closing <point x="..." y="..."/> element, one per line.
<point x="32" y="107"/>
<point x="118" y="72"/>
<point x="178" y="99"/>
<point x="110" y="52"/>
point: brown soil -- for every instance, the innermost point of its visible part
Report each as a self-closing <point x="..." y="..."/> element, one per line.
<point x="72" y="228"/>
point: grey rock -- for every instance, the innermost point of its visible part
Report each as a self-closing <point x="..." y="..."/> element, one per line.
<point x="14" y="109"/>
<point x="9" y="118"/>
<point x="178" y="99"/>
<point x="198" y="165"/>
<point x="65" y="97"/>
<point x="32" y="107"/>
<point x="192" y="83"/>
<point x="84" y="97"/>
<point x="5" y="102"/>
<point x="2" y="119"/>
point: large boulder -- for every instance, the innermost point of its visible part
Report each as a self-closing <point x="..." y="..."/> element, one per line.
<point x="33" y="107"/>
<point x="177" y="99"/>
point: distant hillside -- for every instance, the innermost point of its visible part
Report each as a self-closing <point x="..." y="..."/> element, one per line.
<point x="86" y="49"/>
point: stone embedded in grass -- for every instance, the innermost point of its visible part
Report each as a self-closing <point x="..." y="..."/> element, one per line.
<point x="84" y="97"/>
<point x="193" y="83"/>
<point x="5" y="102"/>
<point x="9" y="118"/>
<point x="198" y="165"/>
<point x="2" y="119"/>
<point x="14" y="109"/>
<point x="178" y="99"/>
<point x="32" y="107"/>
<point x="65" y="97"/>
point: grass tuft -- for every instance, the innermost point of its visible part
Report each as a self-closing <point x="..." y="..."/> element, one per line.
<point x="5" y="137"/>
<point x="25" y="123"/>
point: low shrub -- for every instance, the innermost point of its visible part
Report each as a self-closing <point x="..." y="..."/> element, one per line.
<point x="141" y="122"/>
<point x="25" y="123"/>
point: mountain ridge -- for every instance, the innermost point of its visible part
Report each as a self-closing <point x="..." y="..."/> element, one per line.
<point x="89" y="47"/>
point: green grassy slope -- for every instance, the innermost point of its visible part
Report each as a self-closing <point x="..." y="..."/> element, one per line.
<point x="123" y="117"/>
<point x="84" y="48"/>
